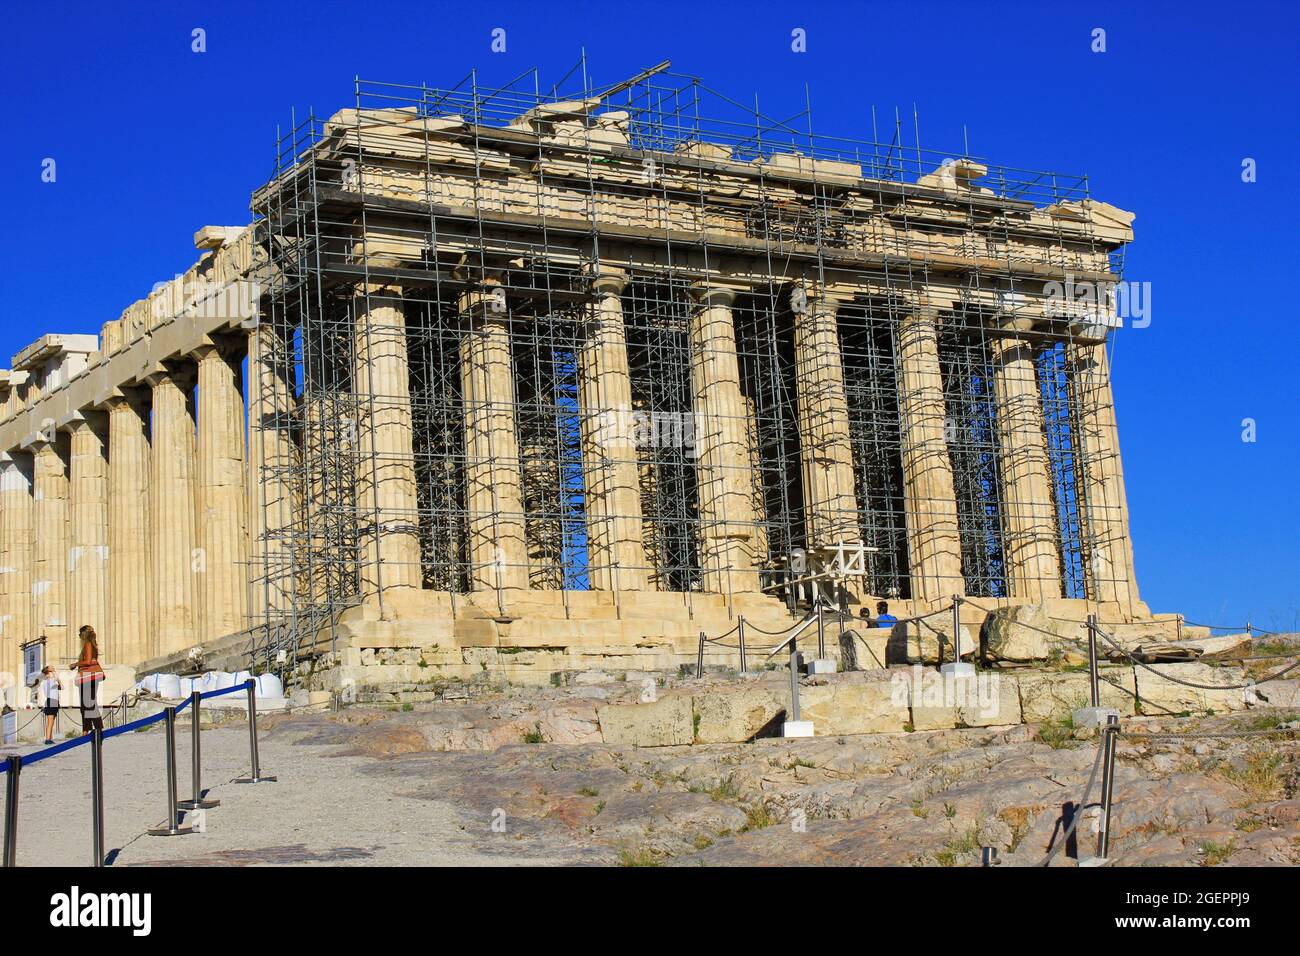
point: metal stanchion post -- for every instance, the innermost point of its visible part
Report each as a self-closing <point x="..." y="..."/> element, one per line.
<point x="956" y="629"/>
<point x="699" y="659"/>
<point x="169" y="827"/>
<point x="821" y="628"/>
<point x="1109" y="743"/>
<point x="740" y="624"/>
<point x="1094" y="715"/>
<point x="11" y="810"/>
<point x="956" y="668"/>
<point x="196" y="801"/>
<point x="1179" y="620"/>
<point x="794" y="679"/>
<point x="256" y="776"/>
<point x="1093" y="686"/>
<point x="97" y="794"/>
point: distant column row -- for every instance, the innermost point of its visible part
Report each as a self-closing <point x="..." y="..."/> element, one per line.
<point x="132" y="517"/>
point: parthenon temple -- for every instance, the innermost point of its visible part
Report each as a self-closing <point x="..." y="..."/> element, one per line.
<point x="502" y="376"/>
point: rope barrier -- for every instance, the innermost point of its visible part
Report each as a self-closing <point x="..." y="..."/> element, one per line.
<point x="754" y="627"/>
<point x="1080" y="807"/>
<point x="1251" y="628"/>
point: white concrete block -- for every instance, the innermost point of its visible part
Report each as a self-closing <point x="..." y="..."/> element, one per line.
<point x="797" y="728"/>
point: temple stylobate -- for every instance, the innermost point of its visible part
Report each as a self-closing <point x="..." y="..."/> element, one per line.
<point x="500" y="379"/>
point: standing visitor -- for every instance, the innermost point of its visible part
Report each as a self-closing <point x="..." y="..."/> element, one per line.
<point x="90" y="677"/>
<point x="50" y="687"/>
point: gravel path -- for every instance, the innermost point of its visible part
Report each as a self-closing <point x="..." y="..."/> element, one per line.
<point x="322" y="810"/>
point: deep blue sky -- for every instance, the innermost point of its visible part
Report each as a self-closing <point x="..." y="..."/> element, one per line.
<point x="153" y="141"/>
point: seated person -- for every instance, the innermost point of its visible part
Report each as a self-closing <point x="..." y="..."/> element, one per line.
<point x="883" y="617"/>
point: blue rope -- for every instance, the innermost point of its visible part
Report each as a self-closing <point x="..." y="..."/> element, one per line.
<point x="133" y="725"/>
<point x="56" y="749"/>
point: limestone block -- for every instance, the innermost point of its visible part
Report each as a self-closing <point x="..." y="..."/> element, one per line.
<point x="1016" y="634"/>
<point x="865" y="648"/>
<point x="1279" y="693"/>
<point x="867" y="707"/>
<point x="729" y="717"/>
<point x="667" y="722"/>
<point x="943" y="701"/>
<point x="1160" y="696"/>
<point x="923" y="642"/>
<point x="1045" y="696"/>
<point x="570" y="723"/>
<point x="1197" y="646"/>
<point x="993" y="701"/>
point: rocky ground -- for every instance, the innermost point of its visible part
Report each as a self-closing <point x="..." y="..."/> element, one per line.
<point x="465" y="782"/>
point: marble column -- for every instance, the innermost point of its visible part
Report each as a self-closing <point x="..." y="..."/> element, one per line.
<point x="616" y="553"/>
<point x="933" y="535"/>
<point x="177" y="560"/>
<point x="387" y="510"/>
<point x="89" y="554"/>
<point x="1031" y="546"/>
<point x="826" y="451"/>
<point x="131" y="561"/>
<point x="273" y="497"/>
<point x="1108" y="547"/>
<point x="16" y="558"/>
<point x="222" y="497"/>
<point x="724" y="466"/>
<point x="50" y="543"/>
<point x="498" y="547"/>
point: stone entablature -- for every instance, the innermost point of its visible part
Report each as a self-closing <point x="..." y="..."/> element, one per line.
<point x="566" y="170"/>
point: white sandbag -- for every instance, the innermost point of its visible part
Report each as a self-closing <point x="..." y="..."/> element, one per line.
<point x="269" y="686"/>
<point x="242" y="678"/>
<point x="169" y="687"/>
<point x="224" y="680"/>
<point x="150" y="683"/>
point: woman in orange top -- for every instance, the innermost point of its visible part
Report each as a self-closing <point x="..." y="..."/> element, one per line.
<point x="90" y="677"/>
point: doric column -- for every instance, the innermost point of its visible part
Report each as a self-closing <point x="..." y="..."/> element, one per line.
<point x="387" y="510"/>
<point x="933" y="536"/>
<point x="724" y="467"/>
<point x="131" y="559"/>
<point x="826" y="450"/>
<point x="1031" y="545"/>
<point x="89" y="555"/>
<point x="494" y="500"/>
<point x="171" y="525"/>
<point x="50" y="543"/>
<point x="273" y="496"/>
<point x="16" y="557"/>
<point x="222" y="499"/>
<point x="1108" y="548"/>
<point x="616" y="554"/>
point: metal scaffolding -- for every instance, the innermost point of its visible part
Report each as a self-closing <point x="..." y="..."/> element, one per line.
<point x="524" y="191"/>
